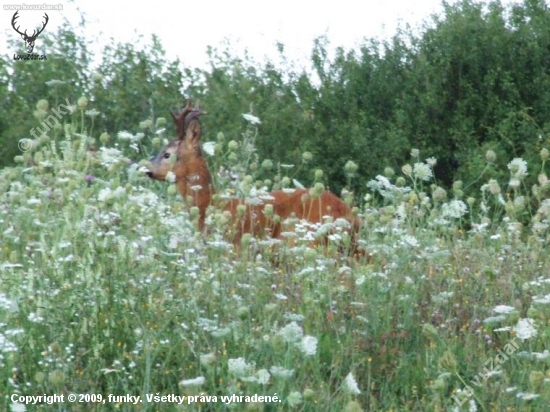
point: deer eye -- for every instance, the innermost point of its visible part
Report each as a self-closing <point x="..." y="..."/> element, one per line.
<point x="166" y="155"/>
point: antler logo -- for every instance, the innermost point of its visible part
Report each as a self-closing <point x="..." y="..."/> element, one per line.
<point x="29" y="40"/>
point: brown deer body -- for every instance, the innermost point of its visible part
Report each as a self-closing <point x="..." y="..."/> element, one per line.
<point x="194" y="183"/>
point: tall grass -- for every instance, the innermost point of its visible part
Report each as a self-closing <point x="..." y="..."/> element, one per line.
<point x="107" y="287"/>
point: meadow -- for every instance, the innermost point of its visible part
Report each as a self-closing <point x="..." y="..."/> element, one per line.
<point x="108" y="288"/>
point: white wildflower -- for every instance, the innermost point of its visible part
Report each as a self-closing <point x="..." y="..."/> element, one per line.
<point x="33" y="317"/>
<point x="54" y="83"/>
<point x="294" y="399"/>
<point x="539" y="227"/>
<point x="294" y="317"/>
<point x="252" y="119"/>
<point x="250" y="379"/>
<point x="263" y="376"/>
<point x="124" y="135"/>
<point x="18" y="407"/>
<point x="431" y="161"/>
<point x="525" y="329"/>
<point x="514" y="183"/>
<point x="544" y="300"/>
<point x="291" y="333"/>
<point x="350" y="384"/>
<point x="503" y="309"/>
<point x="518" y="168"/>
<point x="209" y="148"/>
<point x="221" y="332"/>
<point x="104" y="194"/>
<point x="422" y="171"/>
<point x="170" y="177"/>
<point x="401" y="211"/>
<point x="542" y="356"/>
<point x="495" y="372"/>
<point x="193" y="382"/>
<point x="410" y="241"/>
<point x="6" y="345"/>
<point x="5" y="302"/>
<point x="454" y="209"/>
<point x="503" y="329"/>
<point x="309" y="345"/>
<point x="383" y="186"/>
<point x="442" y="297"/>
<point x="92" y="113"/>
<point x="110" y="155"/>
<point x="239" y="367"/>
<point x="281" y="372"/>
<point x="527" y="396"/>
<point x="207" y="358"/>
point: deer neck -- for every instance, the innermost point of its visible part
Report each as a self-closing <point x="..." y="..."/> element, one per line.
<point x="195" y="184"/>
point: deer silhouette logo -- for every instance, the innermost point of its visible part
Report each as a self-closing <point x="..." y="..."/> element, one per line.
<point x="29" y="40"/>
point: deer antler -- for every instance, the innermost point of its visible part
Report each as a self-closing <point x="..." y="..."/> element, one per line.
<point x="25" y="35"/>
<point x="193" y="114"/>
<point x="183" y="119"/>
<point x="15" y="16"/>
<point x="43" y="27"/>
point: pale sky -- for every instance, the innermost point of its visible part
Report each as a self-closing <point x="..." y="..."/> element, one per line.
<point x="186" y="27"/>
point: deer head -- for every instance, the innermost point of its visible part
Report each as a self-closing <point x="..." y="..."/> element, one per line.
<point x="185" y="147"/>
<point x="29" y="40"/>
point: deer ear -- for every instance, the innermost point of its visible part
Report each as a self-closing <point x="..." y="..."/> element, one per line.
<point x="193" y="133"/>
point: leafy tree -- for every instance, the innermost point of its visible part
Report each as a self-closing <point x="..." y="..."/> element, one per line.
<point x="474" y="78"/>
<point x="133" y="85"/>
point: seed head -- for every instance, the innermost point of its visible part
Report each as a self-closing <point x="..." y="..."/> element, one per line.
<point x="104" y="137"/>
<point x="161" y="122"/>
<point x="268" y="210"/>
<point x="447" y="362"/>
<point x="307" y="156"/>
<point x="544" y="154"/>
<point x="490" y="156"/>
<point x="42" y="105"/>
<point x="82" y="103"/>
<point x="350" y="167"/>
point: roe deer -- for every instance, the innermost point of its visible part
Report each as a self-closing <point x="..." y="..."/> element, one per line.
<point x="194" y="183"/>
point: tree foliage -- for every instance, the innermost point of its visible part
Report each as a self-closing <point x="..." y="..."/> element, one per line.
<point x="474" y="78"/>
